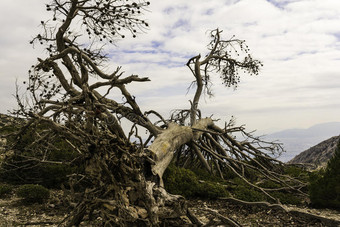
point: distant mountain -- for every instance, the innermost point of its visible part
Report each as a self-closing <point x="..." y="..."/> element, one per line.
<point x="318" y="154"/>
<point x="296" y="141"/>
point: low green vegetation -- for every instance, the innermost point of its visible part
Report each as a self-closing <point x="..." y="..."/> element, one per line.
<point x="185" y="182"/>
<point x="31" y="193"/>
<point x="25" y="166"/>
<point x="324" y="188"/>
<point x="200" y="183"/>
<point x="46" y="174"/>
<point x="5" y="190"/>
<point x="297" y="172"/>
<point x="244" y="192"/>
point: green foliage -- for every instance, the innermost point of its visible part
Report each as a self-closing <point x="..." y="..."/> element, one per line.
<point x="324" y="188"/>
<point x="269" y="184"/>
<point x="25" y="168"/>
<point x="203" y="174"/>
<point x="243" y="192"/>
<point x="46" y="174"/>
<point x="284" y="197"/>
<point x="5" y="190"/>
<point x="7" y="129"/>
<point x="296" y="172"/>
<point x="248" y="194"/>
<point x="185" y="182"/>
<point x="211" y="190"/>
<point x="31" y="193"/>
<point x="200" y="183"/>
<point x="180" y="181"/>
<point x="287" y="198"/>
<point x="53" y="175"/>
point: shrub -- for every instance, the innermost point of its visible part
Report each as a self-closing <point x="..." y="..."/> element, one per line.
<point x="248" y="194"/>
<point x="297" y="172"/>
<point x="31" y="193"/>
<point x="5" y="190"/>
<point x="180" y="181"/>
<point x="211" y="190"/>
<point x="244" y="192"/>
<point x="53" y="175"/>
<point x="287" y="198"/>
<point x="269" y="184"/>
<point x="46" y="174"/>
<point x="14" y="168"/>
<point x="324" y="188"/>
<point x="185" y="182"/>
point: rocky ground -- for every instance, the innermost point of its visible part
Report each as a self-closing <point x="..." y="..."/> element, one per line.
<point x="14" y="213"/>
<point x="258" y="214"/>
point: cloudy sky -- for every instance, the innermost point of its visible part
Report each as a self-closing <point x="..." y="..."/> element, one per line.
<point x="297" y="40"/>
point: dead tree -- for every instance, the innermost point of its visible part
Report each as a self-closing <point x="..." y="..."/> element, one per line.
<point x="68" y="91"/>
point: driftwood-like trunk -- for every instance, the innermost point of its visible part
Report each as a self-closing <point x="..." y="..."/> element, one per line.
<point x="165" y="145"/>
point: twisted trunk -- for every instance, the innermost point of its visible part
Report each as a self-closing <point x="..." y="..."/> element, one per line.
<point x="170" y="140"/>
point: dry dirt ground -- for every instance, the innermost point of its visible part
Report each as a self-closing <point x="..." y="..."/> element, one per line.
<point x="14" y="213"/>
<point x="263" y="215"/>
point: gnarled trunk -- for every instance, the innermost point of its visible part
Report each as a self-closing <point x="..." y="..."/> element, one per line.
<point x="170" y="140"/>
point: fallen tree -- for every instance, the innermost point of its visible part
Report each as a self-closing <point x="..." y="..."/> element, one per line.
<point x="123" y="176"/>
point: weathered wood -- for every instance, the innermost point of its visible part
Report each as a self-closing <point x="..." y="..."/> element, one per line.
<point x="170" y="140"/>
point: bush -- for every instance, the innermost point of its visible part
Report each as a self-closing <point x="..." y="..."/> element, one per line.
<point x="244" y="192"/>
<point x="24" y="167"/>
<point x="46" y="174"/>
<point x="180" y="181"/>
<point x="31" y="193"/>
<point x="53" y="175"/>
<point x="5" y="190"/>
<point x="269" y="184"/>
<point x="211" y="190"/>
<point x="287" y="198"/>
<point x="185" y="182"/>
<point x="324" y="188"/>
<point x="205" y="175"/>
<point x="248" y="194"/>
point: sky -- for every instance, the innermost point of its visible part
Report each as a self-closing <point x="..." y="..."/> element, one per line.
<point x="298" y="42"/>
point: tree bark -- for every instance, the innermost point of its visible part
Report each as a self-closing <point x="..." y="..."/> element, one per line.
<point x="170" y="140"/>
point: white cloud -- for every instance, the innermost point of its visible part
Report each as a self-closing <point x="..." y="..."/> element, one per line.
<point x="298" y="41"/>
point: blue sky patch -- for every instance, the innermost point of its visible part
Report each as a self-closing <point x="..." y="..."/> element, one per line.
<point x="208" y="12"/>
<point x="182" y="23"/>
<point x="307" y="52"/>
<point x="337" y="36"/>
<point x="168" y="10"/>
<point x="278" y="3"/>
<point x="248" y="24"/>
<point x="156" y="44"/>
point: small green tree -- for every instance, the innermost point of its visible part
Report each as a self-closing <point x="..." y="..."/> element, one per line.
<point x="324" y="188"/>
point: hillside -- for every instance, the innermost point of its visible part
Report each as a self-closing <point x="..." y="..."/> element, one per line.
<point x="297" y="140"/>
<point x="318" y="154"/>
